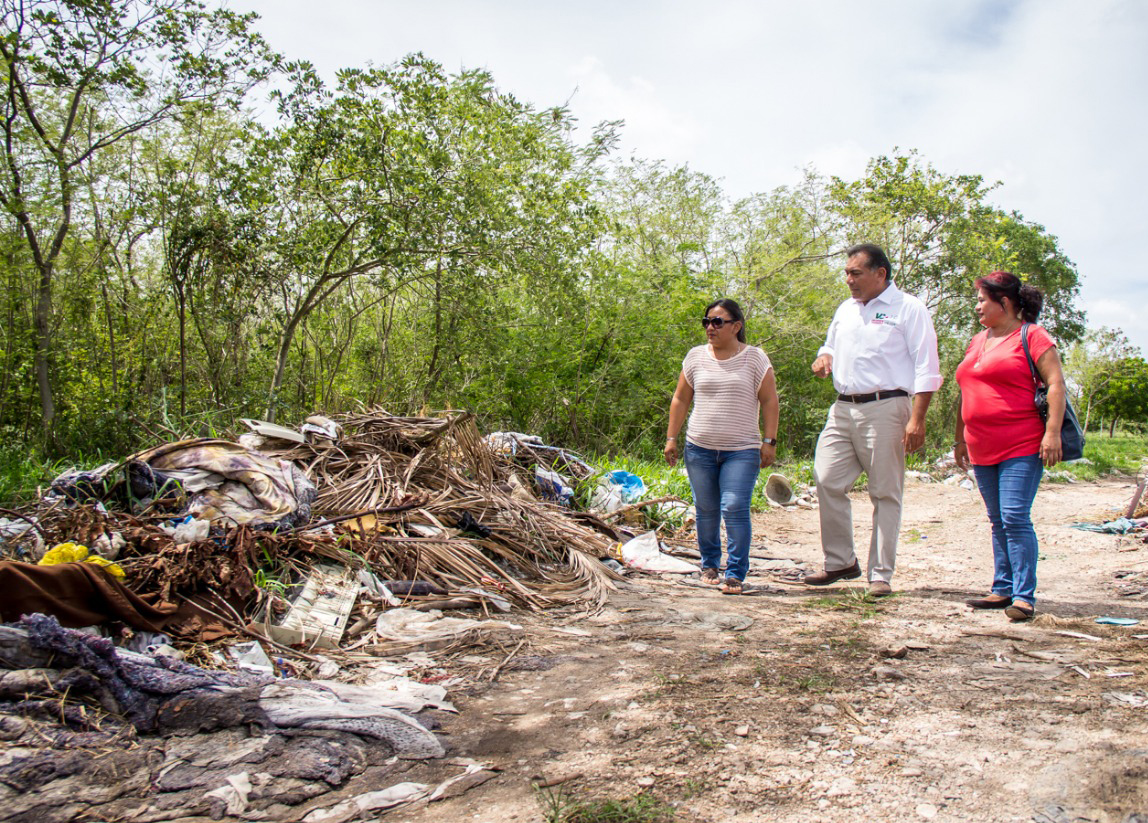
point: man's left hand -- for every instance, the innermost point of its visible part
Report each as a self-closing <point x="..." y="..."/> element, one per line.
<point x="914" y="435"/>
<point x="768" y="454"/>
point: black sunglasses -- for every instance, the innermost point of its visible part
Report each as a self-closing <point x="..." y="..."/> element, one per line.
<point x="716" y="322"/>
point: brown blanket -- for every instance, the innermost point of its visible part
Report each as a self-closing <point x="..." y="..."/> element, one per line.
<point x="76" y="594"/>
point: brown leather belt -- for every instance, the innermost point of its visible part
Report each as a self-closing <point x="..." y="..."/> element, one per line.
<point x="869" y="398"/>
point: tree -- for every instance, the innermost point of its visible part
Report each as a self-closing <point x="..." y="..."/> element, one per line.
<point x="936" y="229"/>
<point x="1093" y="362"/>
<point x="780" y="248"/>
<point x="941" y="234"/>
<point x="423" y="183"/>
<point x="79" y="77"/>
<point x="1126" y="396"/>
<point x="1028" y="251"/>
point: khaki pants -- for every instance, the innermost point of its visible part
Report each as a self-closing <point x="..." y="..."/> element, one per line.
<point x="862" y="437"/>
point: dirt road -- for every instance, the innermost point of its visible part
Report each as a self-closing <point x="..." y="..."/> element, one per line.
<point x="782" y="706"/>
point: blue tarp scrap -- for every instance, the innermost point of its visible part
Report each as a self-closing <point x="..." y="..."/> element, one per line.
<point x="1121" y="525"/>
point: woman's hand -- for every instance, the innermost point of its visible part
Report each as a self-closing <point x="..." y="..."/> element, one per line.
<point x="1050" y="449"/>
<point x="768" y="454"/>
<point x="961" y="455"/>
<point x="671" y="452"/>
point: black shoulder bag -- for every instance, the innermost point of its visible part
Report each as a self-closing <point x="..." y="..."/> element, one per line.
<point x="1071" y="435"/>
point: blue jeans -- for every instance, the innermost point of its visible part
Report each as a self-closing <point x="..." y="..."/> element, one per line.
<point x="722" y="483"/>
<point x="1008" y="489"/>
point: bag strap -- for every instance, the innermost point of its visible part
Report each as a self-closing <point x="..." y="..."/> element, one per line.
<point x="1028" y="355"/>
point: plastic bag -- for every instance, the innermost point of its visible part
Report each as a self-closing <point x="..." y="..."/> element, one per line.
<point x="643" y="552"/>
<point x="633" y="487"/>
<point x="616" y="489"/>
<point x="553" y="486"/>
<point x="75" y="553"/>
<point x="188" y="530"/>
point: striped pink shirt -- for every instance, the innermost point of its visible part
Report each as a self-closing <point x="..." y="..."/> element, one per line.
<point x="726" y="414"/>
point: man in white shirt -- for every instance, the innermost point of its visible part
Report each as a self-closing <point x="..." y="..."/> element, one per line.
<point x="881" y="350"/>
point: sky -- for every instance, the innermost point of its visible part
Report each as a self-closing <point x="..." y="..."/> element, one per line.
<point x="1048" y="97"/>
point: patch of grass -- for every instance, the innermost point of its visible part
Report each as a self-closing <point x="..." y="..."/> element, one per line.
<point x="660" y="479"/>
<point x="700" y="741"/>
<point x="694" y="787"/>
<point x="857" y="601"/>
<point x="21" y="471"/>
<point x="269" y="582"/>
<point x="562" y="807"/>
<point x="921" y="460"/>
<point x="1125" y="453"/>
<point x="852" y="645"/>
<point x="816" y="682"/>
<point x="666" y="685"/>
<point x="913" y="536"/>
<point x="811" y="680"/>
<point x="796" y="471"/>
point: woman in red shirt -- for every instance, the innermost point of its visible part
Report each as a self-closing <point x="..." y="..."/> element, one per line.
<point x="1000" y="433"/>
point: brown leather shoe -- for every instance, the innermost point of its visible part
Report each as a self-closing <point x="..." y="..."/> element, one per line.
<point x="879" y="588"/>
<point x="824" y="578"/>
<point x="993" y="601"/>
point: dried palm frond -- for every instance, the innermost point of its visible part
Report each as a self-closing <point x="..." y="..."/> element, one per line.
<point x="540" y="552"/>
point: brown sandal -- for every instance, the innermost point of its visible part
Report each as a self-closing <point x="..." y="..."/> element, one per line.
<point x="710" y="577"/>
<point x="731" y="586"/>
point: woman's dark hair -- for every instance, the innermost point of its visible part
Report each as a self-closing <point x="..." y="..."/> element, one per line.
<point x="734" y="311"/>
<point x="1001" y="284"/>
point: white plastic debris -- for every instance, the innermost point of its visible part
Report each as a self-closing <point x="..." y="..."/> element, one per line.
<point x="192" y="530"/>
<point x="643" y="552"/>
<point x="108" y="546"/>
<point x="370" y="583"/>
<point x="358" y="806"/>
<point x="19" y="539"/>
<point x="553" y="486"/>
<point x="778" y="491"/>
<point x="431" y="628"/>
<point x="250" y="657"/>
<point x="321" y="426"/>
<point x="234" y="794"/>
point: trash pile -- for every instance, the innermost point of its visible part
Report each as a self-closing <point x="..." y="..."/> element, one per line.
<point x="1134" y="523"/>
<point x="232" y="583"/>
<point x="373" y="511"/>
<point x="944" y="470"/>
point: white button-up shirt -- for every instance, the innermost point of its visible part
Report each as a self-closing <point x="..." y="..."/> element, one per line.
<point x="887" y="343"/>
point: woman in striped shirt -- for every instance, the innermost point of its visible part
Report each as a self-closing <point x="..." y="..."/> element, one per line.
<point x="730" y="385"/>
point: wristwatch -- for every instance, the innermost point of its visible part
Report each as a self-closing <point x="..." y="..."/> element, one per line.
<point x="769" y="441"/>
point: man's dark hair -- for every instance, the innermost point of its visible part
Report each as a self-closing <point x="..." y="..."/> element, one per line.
<point x="876" y="255"/>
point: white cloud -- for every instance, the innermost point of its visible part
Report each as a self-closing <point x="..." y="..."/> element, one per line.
<point x="652" y="129"/>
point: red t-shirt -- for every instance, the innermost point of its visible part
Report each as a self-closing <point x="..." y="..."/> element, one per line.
<point x="996" y="397"/>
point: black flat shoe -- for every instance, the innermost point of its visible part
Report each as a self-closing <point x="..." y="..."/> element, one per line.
<point x="1019" y="611"/>
<point x="987" y="603"/>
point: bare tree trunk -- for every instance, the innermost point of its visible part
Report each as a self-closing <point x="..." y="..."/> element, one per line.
<point x="42" y="357"/>
<point x="285" y="340"/>
<point x="111" y="340"/>
<point x="436" y="346"/>
<point x="182" y="351"/>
